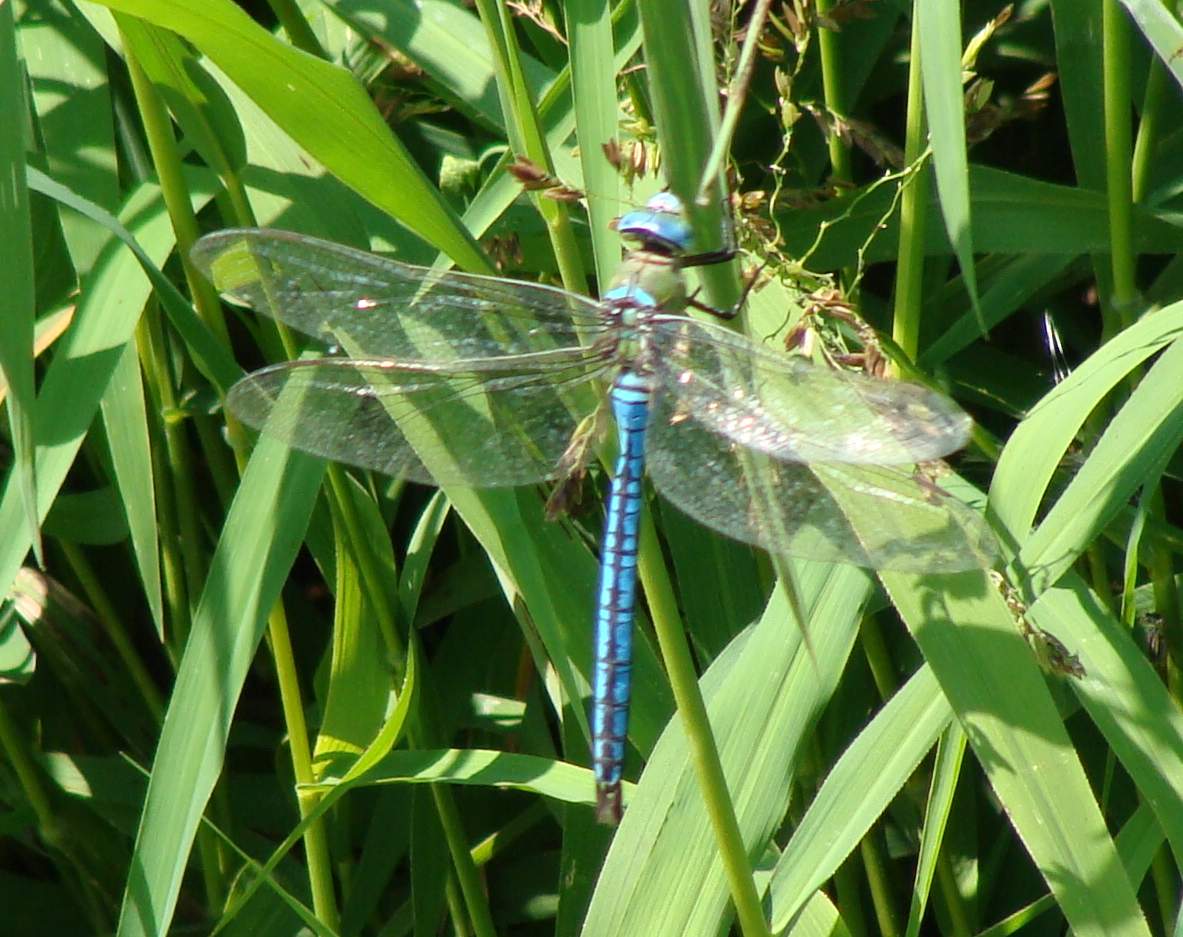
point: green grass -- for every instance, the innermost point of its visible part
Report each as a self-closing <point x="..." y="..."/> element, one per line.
<point x="246" y="691"/>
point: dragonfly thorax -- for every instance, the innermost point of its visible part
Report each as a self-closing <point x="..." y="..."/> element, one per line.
<point x="646" y="283"/>
<point x="649" y="279"/>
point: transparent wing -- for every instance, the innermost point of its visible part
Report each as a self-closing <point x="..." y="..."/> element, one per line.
<point x="377" y="307"/>
<point x="482" y="424"/>
<point x="790" y="409"/>
<point x="869" y="515"/>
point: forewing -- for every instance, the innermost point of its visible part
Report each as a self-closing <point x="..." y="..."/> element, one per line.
<point x="875" y="516"/>
<point x="468" y="424"/>
<point x="373" y="306"/>
<point x="788" y="408"/>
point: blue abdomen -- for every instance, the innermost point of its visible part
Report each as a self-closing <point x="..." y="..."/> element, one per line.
<point x="616" y="595"/>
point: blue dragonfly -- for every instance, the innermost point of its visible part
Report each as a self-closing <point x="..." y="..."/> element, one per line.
<point x="444" y="377"/>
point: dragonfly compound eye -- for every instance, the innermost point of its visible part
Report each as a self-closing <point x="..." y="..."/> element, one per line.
<point x="661" y="223"/>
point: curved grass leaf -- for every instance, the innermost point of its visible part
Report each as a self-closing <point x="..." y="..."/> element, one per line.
<point x="857" y="791"/>
<point x="662" y="874"/>
<point x="263" y="531"/>
<point x="988" y="673"/>
<point x="324" y="109"/>
<point x="940" y="62"/>
<point x="1036" y="447"/>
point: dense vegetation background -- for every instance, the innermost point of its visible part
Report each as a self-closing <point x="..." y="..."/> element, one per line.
<point x="994" y="190"/>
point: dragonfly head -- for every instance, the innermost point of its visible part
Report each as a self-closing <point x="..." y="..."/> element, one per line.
<point x="660" y="225"/>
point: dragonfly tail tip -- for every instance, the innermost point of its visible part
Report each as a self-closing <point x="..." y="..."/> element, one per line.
<point x="608" y="803"/>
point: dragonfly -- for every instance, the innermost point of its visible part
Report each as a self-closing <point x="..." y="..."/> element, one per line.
<point x="450" y="378"/>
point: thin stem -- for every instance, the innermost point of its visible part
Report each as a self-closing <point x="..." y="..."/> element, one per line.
<point x="1099" y="575"/>
<point x="886" y="915"/>
<point x="466" y="871"/>
<point x="711" y="778"/>
<point x="910" y="261"/>
<point x="69" y="850"/>
<point x="1118" y="155"/>
<point x="421" y="729"/>
<point x="830" y="56"/>
<point x="166" y="160"/>
<point x="850" y="899"/>
<point x="526" y="136"/>
<point x="18" y="757"/>
<point x="1149" y="129"/>
<point x="184" y="564"/>
<point x="953" y="900"/>
<point x="1126" y="174"/>
<point x="291" y="18"/>
<point x="455" y="907"/>
<point x="1165" y="878"/>
<point x="498" y="841"/>
<point x="736" y="94"/>
<point x="176" y="603"/>
<point x="1166" y="603"/>
<point x="878" y="657"/>
<point x="316" y="846"/>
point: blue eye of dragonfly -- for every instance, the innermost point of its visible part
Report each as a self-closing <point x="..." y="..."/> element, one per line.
<point x="455" y="379"/>
<point x="660" y="221"/>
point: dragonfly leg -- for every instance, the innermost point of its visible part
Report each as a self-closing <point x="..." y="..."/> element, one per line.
<point x="720" y="256"/>
<point x="730" y="313"/>
<point x="724" y="314"/>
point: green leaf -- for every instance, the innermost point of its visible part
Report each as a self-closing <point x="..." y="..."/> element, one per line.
<point x="125" y="417"/>
<point x="1036" y="447"/>
<point x="940" y="63"/>
<point x="1161" y="29"/>
<point x="662" y="874"/>
<point x="1123" y="696"/>
<point x="857" y="791"/>
<point x="16" y="282"/>
<point x="85" y="362"/>
<point x="989" y="675"/>
<point x="263" y="531"/>
<point x="324" y="109"/>
<point x="1132" y="449"/>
